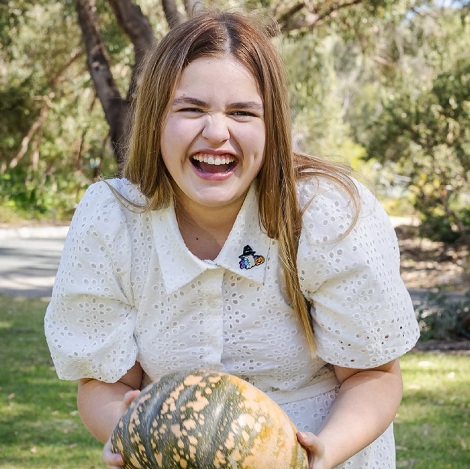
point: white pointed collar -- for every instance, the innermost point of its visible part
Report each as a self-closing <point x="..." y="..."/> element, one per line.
<point x="245" y="252"/>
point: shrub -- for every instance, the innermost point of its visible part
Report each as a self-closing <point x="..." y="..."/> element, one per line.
<point x="442" y="318"/>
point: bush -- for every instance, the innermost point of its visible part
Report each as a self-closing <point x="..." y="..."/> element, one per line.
<point x="440" y="227"/>
<point x="29" y="195"/>
<point x="441" y="318"/>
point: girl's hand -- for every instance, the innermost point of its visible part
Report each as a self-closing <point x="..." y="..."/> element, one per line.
<point x="315" y="448"/>
<point x="114" y="460"/>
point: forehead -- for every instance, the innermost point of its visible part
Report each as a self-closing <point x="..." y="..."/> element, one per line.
<point x="217" y="75"/>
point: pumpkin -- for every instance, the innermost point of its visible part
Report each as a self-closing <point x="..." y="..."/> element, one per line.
<point x="204" y="420"/>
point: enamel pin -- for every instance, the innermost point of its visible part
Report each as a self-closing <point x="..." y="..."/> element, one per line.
<point x="249" y="258"/>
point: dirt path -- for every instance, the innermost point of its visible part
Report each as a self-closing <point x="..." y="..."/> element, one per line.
<point x="429" y="264"/>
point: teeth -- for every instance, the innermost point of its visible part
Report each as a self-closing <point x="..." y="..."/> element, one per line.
<point x="209" y="159"/>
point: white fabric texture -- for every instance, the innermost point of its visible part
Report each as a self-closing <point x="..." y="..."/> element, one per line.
<point x="128" y="289"/>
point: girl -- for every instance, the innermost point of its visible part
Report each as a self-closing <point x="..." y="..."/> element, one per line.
<point x="223" y="249"/>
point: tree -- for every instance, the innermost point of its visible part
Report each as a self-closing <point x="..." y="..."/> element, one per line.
<point x="50" y="125"/>
<point x="425" y="128"/>
<point x="137" y="27"/>
<point x="67" y="79"/>
<point x="292" y="17"/>
<point x="107" y="29"/>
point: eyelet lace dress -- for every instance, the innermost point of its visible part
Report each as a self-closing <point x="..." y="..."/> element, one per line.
<point x="128" y="290"/>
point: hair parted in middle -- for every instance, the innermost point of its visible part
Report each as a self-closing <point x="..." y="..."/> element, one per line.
<point x="211" y="34"/>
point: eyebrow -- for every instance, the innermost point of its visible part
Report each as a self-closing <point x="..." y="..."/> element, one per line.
<point x="187" y="100"/>
<point x="247" y="105"/>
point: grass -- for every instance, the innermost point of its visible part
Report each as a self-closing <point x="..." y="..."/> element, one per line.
<point x="39" y="423"/>
<point x="432" y="428"/>
<point x="40" y="427"/>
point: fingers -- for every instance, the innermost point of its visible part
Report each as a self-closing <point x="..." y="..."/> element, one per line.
<point x="115" y="460"/>
<point x="112" y="460"/>
<point x="128" y="398"/>
<point x="315" y="448"/>
<point x="311" y="442"/>
<point x="131" y="395"/>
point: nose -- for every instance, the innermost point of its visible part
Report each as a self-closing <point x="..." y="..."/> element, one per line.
<point x="215" y="128"/>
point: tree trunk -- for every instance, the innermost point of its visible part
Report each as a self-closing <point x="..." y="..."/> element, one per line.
<point x="136" y="26"/>
<point x="172" y="14"/>
<point x="114" y="106"/>
<point x="139" y="31"/>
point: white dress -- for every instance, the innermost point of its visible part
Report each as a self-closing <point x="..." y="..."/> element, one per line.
<point x="128" y="290"/>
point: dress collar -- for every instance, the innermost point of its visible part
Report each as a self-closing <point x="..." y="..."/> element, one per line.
<point x="245" y="252"/>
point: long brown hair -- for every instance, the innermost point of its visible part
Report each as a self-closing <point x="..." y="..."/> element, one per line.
<point x="219" y="34"/>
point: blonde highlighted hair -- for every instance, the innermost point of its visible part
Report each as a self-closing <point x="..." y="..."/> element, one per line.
<point x="215" y="35"/>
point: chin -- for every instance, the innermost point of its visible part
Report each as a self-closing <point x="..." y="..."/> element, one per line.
<point x="218" y="197"/>
<point x="216" y="203"/>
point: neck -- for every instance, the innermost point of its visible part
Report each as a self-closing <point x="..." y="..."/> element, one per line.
<point x="204" y="230"/>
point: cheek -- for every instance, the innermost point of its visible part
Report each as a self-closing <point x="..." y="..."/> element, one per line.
<point x="177" y="127"/>
<point x="254" y="139"/>
<point x="258" y="142"/>
<point x="175" y="137"/>
<point x="173" y="131"/>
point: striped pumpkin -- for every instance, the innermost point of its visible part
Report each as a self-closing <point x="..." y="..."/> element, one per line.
<point x="204" y="420"/>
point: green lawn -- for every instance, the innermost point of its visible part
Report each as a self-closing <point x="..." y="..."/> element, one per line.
<point x="432" y="428"/>
<point x="40" y="427"/>
<point x="39" y="423"/>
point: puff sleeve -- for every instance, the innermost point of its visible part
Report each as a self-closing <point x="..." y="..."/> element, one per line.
<point x="362" y="312"/>
<point x="89" y="323"/>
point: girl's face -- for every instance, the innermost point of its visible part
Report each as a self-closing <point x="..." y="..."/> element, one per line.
<point x="214" y="134"/>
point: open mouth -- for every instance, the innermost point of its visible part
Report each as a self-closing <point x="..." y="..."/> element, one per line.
<point x="213" y="163"/>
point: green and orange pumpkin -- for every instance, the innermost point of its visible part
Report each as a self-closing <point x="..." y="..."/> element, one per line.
<point x="205" y="420"/>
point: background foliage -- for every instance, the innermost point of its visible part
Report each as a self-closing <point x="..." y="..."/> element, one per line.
<point x="384" y="84"/>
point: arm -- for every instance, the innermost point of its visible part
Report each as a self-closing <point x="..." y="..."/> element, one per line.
<point x="100" y="404"/>
<point x="366" y="405"/>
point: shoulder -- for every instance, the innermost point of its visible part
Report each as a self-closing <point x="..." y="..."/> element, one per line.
<point x="107" y="203"/>
<point x="322" y="189"/>
<point x="112" y="193"/>
<point x="109" y="190"/>
<point x="339" y="238"/>
<point x="332" y="209"/>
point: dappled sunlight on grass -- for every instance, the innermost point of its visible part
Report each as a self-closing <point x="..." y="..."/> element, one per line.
<point x="5" y="324"/>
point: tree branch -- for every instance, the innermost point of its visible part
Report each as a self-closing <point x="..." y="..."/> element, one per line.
<point x="36" y="128"/>
<point x="286" y="17"/>
<point x="75" y="55"/>
<point x="37" y="124"/>
<point x="172" y="14"/>
<point x="81" y="143"/>
<point x="335" y="8"/>
<point x="136" y="26"/>
<point x="193" y="7"/>
<point x="114" y="107"/>
<point x="314" y="15"/>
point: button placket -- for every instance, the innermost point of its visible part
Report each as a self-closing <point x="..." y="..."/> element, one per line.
<point x="213" y="317"/>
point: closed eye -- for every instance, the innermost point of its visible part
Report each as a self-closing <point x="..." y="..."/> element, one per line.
<point x="246" y="110"/>
<point x="243" y="114"/>
<point x="190" y="109"/>
<point x="189" y="105"/>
